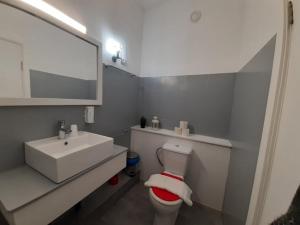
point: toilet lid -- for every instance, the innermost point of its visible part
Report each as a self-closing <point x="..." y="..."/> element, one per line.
<point x="166" y="195"/>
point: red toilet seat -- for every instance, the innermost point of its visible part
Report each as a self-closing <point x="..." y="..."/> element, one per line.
<point x="166" y="195"/>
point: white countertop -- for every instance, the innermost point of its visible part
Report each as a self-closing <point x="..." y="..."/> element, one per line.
<point x="23" y="184"/>
<point x="192" y="137"/>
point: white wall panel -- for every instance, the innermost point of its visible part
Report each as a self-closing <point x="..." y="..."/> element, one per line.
<point x="207" y="171"/>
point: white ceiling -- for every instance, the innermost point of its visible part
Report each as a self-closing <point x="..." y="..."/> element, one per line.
<point x="148" y="4"/>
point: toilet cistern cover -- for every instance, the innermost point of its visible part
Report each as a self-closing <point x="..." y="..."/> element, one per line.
<point x="177" y="148"/>
<point x="164" y="194"/>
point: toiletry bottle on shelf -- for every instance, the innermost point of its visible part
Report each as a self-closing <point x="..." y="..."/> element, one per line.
<point x="155" y="123"/>
<point x="143" y="122"/>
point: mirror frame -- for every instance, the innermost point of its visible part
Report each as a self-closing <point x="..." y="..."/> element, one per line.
<point x="56" y="101"/>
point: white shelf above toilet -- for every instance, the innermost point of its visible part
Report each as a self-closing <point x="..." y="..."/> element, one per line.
<point x="193" y="137"/>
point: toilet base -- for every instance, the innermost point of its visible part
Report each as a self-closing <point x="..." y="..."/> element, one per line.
<point x="165" y="219"/>
<point x="165" y="211"/>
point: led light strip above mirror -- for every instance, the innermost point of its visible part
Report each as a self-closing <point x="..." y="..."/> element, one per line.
<point x="57" y="14"/>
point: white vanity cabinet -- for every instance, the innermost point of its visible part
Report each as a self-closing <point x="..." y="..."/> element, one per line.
<point x="28" y="198"/>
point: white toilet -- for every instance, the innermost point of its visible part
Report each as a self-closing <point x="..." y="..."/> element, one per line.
<point x="175" y="160"/>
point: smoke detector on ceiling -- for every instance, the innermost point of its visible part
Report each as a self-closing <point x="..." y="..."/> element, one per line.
<point x="196" y="16"/>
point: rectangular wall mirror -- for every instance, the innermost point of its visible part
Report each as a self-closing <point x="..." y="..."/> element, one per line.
<point x="41" y="63"/>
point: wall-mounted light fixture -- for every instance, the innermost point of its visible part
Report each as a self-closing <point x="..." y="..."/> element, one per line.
<point x="115" y="48"/>
<point x="116" y="57"/>
<point x="57" y="14"/>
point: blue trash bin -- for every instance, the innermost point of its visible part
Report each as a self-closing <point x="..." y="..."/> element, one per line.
<point x="133" y="160"/>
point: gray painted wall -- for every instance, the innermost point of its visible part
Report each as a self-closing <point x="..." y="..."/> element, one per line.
<point x="20" y="124"/>
<point x="247" y="119"/>
<point x="204" y="100"/>
<point x="119" y="112"/>
<point x="48" y="85"/>
<point x="120" y="105"/>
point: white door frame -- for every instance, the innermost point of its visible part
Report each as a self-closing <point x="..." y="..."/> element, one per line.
<point x="272" y="120"/>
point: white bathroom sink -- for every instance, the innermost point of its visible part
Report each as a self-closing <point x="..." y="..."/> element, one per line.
<point x="61" y="159"/>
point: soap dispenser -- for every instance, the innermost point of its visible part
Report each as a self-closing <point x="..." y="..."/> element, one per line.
<point x="89" y="114"/>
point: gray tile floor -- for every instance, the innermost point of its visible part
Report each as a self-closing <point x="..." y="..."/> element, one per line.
<point x="134" y="208"/>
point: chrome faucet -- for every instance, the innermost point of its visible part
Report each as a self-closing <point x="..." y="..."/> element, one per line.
<point x="63" y="133"/>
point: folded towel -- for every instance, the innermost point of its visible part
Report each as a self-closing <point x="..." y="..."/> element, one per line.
<point x="172" y="185"/>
